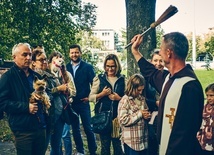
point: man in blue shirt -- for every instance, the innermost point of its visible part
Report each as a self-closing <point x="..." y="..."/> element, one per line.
<point x="83" y="74"/>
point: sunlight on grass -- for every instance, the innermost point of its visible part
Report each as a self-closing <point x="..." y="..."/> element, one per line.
<point x="205" y="77"/>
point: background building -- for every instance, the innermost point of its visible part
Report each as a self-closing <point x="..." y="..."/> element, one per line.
<point x="107" y="36"/>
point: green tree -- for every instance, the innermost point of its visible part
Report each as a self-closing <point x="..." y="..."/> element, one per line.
<point x="159" y="34"/>
<point x="52" y="23"/>
<point x="140" y="14"/>
<point x="209" y="45"/>
<point x="88" y="41"/>
<point x="198" y="46"/>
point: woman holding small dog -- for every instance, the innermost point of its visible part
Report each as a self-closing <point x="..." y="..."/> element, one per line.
<point x="61" y="88"/>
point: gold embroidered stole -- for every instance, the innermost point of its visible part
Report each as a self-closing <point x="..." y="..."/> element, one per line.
<point x="170" y="108"/>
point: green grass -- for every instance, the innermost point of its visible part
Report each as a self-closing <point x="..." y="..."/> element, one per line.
<point x="205" y="77"/>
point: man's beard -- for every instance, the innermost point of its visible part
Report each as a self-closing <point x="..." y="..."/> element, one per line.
<point x="76" y="61"/>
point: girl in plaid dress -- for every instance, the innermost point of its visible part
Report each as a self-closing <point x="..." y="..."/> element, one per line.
<point x="133" y="115"/>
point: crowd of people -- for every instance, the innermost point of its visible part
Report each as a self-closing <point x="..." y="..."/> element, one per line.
<point x="158" y="111"/>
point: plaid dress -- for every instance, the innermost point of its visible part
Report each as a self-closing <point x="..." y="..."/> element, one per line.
<point x="134" y="127"/>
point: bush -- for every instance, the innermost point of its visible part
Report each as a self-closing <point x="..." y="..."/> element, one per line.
<point x="5" y="132"/>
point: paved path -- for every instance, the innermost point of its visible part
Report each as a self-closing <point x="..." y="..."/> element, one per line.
<point x="8" y="148"/>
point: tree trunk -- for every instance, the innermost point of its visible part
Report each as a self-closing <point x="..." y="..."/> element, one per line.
<point x="140" y="14"/>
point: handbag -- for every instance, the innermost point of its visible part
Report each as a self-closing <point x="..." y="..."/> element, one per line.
<point x="102" y="121"/>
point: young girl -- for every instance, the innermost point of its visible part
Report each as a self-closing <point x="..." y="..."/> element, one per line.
<point x="206" y="133"/>
<point x="132" y="115"/>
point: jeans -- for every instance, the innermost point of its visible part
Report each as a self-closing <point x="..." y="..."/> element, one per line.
<point x="30" y="142"/>
<point x="66" y="137"/>
<point x="83" y="110"/>
<point x="55" y="138"/>
<point x="130" y="151"/>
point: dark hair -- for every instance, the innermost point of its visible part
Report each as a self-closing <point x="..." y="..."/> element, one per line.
<point x="116" y="61"/>
<point x="53" y="54"/>
<point x="38" y="46"/>
<point x="178" y="43"/>
<point x="75" y="46"/>
<point x="37" y="52"/>
<point x="209" y="87"/>
<point x="133" y="83"/>
<point x="155" y="52"/>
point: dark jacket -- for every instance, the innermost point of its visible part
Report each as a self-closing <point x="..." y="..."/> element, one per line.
<point x="151" y="97"/>
<point x="14" y="99"/>
<point x="56" y="108"/>
<point x="83" y="80"/>
<point x="188" y="117"/>
<point x="119" y="88"/>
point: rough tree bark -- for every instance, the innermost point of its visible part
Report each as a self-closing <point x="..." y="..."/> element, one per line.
<point x="139" y="16"/>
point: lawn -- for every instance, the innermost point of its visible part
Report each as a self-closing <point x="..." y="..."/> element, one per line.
<point x="205" y="77"/>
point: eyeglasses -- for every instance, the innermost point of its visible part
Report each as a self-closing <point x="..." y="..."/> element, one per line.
<point x="112" y="67"/>
<point x="42" y="60"/>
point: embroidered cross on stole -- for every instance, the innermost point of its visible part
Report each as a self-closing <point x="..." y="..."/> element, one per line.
<point x="170" y="108"/>
<point x="171" y="117"/>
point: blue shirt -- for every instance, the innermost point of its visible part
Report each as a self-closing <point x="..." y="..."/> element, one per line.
<point x="75" y="67"/>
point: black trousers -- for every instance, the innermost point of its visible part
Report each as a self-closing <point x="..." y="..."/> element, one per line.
<point x="152" y="141"/>
<point x="30" y="142"/>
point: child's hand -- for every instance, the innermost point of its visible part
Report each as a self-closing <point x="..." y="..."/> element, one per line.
<point x="146" y="114"/>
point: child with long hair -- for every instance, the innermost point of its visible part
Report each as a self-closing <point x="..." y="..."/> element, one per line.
<point x="132" y="115"/>
<point x="206" y="133"/>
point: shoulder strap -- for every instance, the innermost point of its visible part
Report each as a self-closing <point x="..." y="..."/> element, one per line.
<point x="111" y="107"/>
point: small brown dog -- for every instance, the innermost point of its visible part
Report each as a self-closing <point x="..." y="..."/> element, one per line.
<point x="39" y="94"/>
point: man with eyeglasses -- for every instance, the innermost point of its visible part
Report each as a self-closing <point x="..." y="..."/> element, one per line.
<point x="26" y="120"/>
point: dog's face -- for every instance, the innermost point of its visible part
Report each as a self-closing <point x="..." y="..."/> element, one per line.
<point x="56" y="65"/>
<point x="57" y="61"/>
<point x="39" y="85"/>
